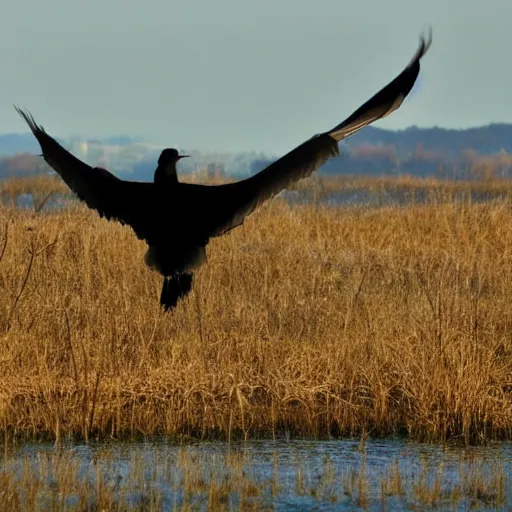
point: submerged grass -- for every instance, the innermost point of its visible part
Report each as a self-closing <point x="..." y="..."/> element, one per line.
<point x="307" y="320"/>
<point x="188" y="478"/>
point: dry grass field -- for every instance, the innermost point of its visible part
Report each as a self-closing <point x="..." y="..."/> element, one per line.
<point x="311" y="320"/>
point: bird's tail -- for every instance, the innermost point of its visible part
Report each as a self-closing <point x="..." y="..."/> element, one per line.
<point x="174" y="288"/>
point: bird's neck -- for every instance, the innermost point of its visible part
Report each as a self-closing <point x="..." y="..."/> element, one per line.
<point x="166" y="175"/>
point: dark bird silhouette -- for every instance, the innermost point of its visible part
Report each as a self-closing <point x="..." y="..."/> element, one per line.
<point x="177" y="219"/>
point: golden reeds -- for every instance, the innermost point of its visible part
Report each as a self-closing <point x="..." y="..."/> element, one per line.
<point x="308" y="320"/>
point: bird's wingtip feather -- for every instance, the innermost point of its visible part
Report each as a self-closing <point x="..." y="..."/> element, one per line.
<point x="29" y="119"/>
<point x="425" y="43"/>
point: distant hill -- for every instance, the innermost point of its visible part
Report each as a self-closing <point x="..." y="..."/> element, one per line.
<point x="467" y="154"/>
<point x="484" y="139"/>
<point x="14" y="143"/>
<point x="418" y="151"/>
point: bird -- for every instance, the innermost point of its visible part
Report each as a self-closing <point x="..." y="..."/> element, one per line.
<point x="176" y="219"/>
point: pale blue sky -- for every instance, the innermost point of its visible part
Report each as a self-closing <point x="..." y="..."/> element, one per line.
<point x="234" y="74"/>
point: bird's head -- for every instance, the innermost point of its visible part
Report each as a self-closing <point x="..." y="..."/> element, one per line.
<point x="170" y="155"/>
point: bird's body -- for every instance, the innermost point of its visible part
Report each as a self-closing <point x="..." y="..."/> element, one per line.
<point x="178" y="219"/>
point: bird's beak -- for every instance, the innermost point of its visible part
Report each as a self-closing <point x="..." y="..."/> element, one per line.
<point x="183" y="156"/>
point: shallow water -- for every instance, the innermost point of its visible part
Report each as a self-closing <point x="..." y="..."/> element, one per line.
<point x="354" y="197"/>
<point x="389" y="474"/>
<point x="386" y="198"/>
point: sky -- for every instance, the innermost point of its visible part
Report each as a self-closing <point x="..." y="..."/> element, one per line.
<point x="233" y="75"/>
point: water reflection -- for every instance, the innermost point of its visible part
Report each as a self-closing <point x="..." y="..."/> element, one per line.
<point x="301" y="475"/>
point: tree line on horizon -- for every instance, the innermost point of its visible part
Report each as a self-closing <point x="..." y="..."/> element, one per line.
<point x="473" y="153"/>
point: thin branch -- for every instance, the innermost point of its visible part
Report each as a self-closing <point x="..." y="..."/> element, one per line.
<point x="22" y="289"/>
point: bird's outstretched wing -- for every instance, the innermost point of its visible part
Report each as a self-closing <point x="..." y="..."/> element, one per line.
<point x="237" y="200"/>
<point x="111" y="197"/>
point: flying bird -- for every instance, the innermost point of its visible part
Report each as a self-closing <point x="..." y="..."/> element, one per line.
<point x="177" y="219"/>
